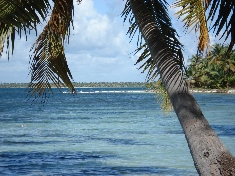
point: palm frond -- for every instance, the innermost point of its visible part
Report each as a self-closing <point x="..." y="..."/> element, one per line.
<point x="158" y="9"/>
<point x="20" y="13"/>
<point x="222" y="17"/>
<point x="194" y="17"/>
<point x="17" y="16"/>
<point x="48" y="61"/>
<point x="162" y="96"/>
<point x="7" y="35"/>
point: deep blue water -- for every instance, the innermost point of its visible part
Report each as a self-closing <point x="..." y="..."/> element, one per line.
<point x="113" y="131"/>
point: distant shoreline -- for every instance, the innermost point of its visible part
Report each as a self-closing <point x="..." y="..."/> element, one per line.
<point x="118" y="85"/>
<point x="82" y="84"/>
<point x="229" y="91"/>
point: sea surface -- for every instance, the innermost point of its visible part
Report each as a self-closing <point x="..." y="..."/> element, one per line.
<point x="102" y="131"/>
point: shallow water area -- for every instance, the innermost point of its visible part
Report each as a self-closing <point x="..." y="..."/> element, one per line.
<point x="101" y="131"/>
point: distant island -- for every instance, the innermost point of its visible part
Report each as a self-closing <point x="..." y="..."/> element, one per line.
<point x="82" y="84"/>
<point x="148" y="86"/>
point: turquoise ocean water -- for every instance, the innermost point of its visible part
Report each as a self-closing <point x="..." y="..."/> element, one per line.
<point x="112" y="131"/>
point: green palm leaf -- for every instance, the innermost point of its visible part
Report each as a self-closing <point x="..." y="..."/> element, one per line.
<point x="222" y="13"/>
<point x="48" y="61"/>
<point x="7" y="35"/>
<point x="162" y="96"/>
<point x="193" y="12"/>
<point x="18" y="16"/>
<point x="158" y="9"/>
<point x="20" y="13"/>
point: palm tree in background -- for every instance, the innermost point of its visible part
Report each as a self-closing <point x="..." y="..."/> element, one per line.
<point x="161" y="53"/>
<point x="216" y="71"/>
<point x="225" y="63"/>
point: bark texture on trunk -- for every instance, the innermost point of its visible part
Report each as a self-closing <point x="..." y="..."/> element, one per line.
<point x="209" y="154"/>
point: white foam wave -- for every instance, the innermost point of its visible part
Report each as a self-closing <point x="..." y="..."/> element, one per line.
<point x="108" y="91"/>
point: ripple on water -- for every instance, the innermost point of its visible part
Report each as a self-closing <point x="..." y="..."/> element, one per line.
<point x="69" y="163"/>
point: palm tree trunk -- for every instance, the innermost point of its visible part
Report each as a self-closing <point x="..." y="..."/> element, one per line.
<point x="209" y="154"/>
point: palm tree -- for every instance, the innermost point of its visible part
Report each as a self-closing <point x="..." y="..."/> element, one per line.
<point x="216" y="71"/>
<point x="209" y="154"/>
<point x="225" y="63"/>
<point x="160" y="47"/>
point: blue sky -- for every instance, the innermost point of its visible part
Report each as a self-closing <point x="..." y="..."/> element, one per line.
<point x="99" y="49"/>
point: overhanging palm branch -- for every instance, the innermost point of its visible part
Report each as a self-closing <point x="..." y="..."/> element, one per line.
<point x="18" y="16"/>
<point x="48" y="61"/>
<point x="8" y="35"/>
<point x="162" y="96"/>
<point x="193" y="12"/>
<point x="158" y="9"/>
<point x="220" y="14"/>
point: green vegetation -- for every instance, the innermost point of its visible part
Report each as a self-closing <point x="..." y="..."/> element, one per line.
<point x="109" y="84"/>
<point x="160" y="94"/>
<point x="82" y="84"/>
<point x="216" y="71"/>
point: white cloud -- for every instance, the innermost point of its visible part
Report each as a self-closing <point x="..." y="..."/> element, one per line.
<point x="98" y="49"/>
<point x="16" y="68"/>
<point x="96" y="33"/>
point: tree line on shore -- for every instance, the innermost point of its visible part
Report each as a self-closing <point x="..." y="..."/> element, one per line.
<point x="214" y="71"/>
<point x="81" y="84"/>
